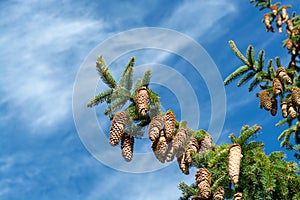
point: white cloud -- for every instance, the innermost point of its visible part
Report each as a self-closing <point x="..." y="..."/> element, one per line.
<point x="38" y="50"/>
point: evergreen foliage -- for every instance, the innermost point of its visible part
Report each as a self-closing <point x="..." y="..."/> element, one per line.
<point x="257" y="175"/>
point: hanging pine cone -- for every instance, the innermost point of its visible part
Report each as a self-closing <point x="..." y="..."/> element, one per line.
<point x="267" y="21"/>
<point x="274" y="106"/>
<point x="183" y="165"/>
<point x="277" y="86"/>
<point x="296" y="96"/>
<point x="290" y="26"/>
<point x="284" y="109"/>
<point x="238" y="196"/>
<point x="141" y="100"/>
<point x="291" y="110"/>
<point x="234" y="160"/>
<point x="177" y="143"/>
<point x="206" y="143"/>
<point x="218" y="194"/>
<point x="283" y="76"/>
<point x="160" y="147"/>
<point x="127" y="143"/>
<point x="117" y="127"/>
<point x="191" y="148"/>
<point x="265" y="100"/>
<point x="274" y="9"/>
<point x="279" y="23"/>
<point x="203" y="181"/>
<point x="285" y="15"/>
<point x="170" y="121"/>
<point x="155" y="126"/>
<point x="289" y="44"/>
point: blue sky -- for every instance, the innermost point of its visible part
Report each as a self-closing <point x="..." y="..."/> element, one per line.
<point x="43" y="44"/>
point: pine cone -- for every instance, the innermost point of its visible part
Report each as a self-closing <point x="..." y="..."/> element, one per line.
<point x="182" y="164"/>
<point x="155" y="126"/>
<point x="234" y="160"/>
<point x="177" y="143"/>
<point x="127" y="146"/>
<point x="279" y="23"/>
<point x="170" y="121"/>
<point x="160" y="147"/>
<point x="284" y="109"/>
<point x="191" y="148"/>
<point x="117" y="127"/>
<point x="291" y="110"/>
<point x="289" y="44"/>
<point x="274" y="106"/>
<point x="265" y="100"/>
<point x="141" y="100"/>
<point x="203" y="181"/>
<point x="274" y="9"/>
<point x="238" y="196"/>
<point x="218" y="194"/>
<point x="285" y="15"/>
<point x="283" y="76"/>
<point x="277" y="87"/>
<point x="267" y="21"/>
<point x="296" y="96"/>
<point x="206" y="143"/>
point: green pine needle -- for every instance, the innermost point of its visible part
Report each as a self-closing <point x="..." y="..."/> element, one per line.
<point x="127" y="76"/>
<point x="104" y="73"/>
<point x="146" y="78"/>
<point x="246" y="78"/>
<point x="261" y="60"/>
<point x="237" y="73"/>
<point x="238" y="53"/>
<point x="250" y="55"/>
<point x="101" y="97"/>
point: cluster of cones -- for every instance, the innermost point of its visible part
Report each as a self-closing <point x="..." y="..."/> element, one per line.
<point x="121" y="119"/>
<point x="168" y="142"/>
<point x="281" y="15"/>
<point x="290" y="106"/>
<point x="203" y="177"/>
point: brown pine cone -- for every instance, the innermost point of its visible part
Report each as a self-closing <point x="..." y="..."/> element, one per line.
<point x="296" y="96"/>
<point x="279" y="23"/>
<point x="277" y="87"/>
<point x="284" y="109"/>
<point x="155" y="126"/>
<point x="170" y="121"/>
<point x="127" y="143"/>
<point x="289" y="44"/>
<point x="285" y="15"/>
<point x="206" y="143"/>
<point x="265" y="100"/>
<point x="291" y="110"/>
<point x="160" y="147"/>
<point x="234" y="160"/>
<point x="183" y="165"/>
<point x="191" y="148"/>
<point x="203" y="181"/>
<point x="141" y="100"/>
<point x="117" y="127"/>
<point x="274" y="106"/>
<point x="177" y="143"/>
<point x="218" y="194"/>
<point x="238" y="196"/>
<point x="268" y="24"/>
<point x="283" y="76"/>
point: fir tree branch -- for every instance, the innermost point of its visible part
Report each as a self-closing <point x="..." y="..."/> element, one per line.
<point x="127" y="76"/>
<point x="238" y="53"/>
<point x="100" y="98"/>
<point x="246" y="78"/>
<point x="104" y="73"/>
<point x="251" y="56"/>
<point x="261" y="60"/>
<point x="237" y="73"/>
<point x="146" y="78"/>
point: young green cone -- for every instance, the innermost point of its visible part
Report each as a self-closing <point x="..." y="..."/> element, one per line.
<point x="117" y="127"/>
